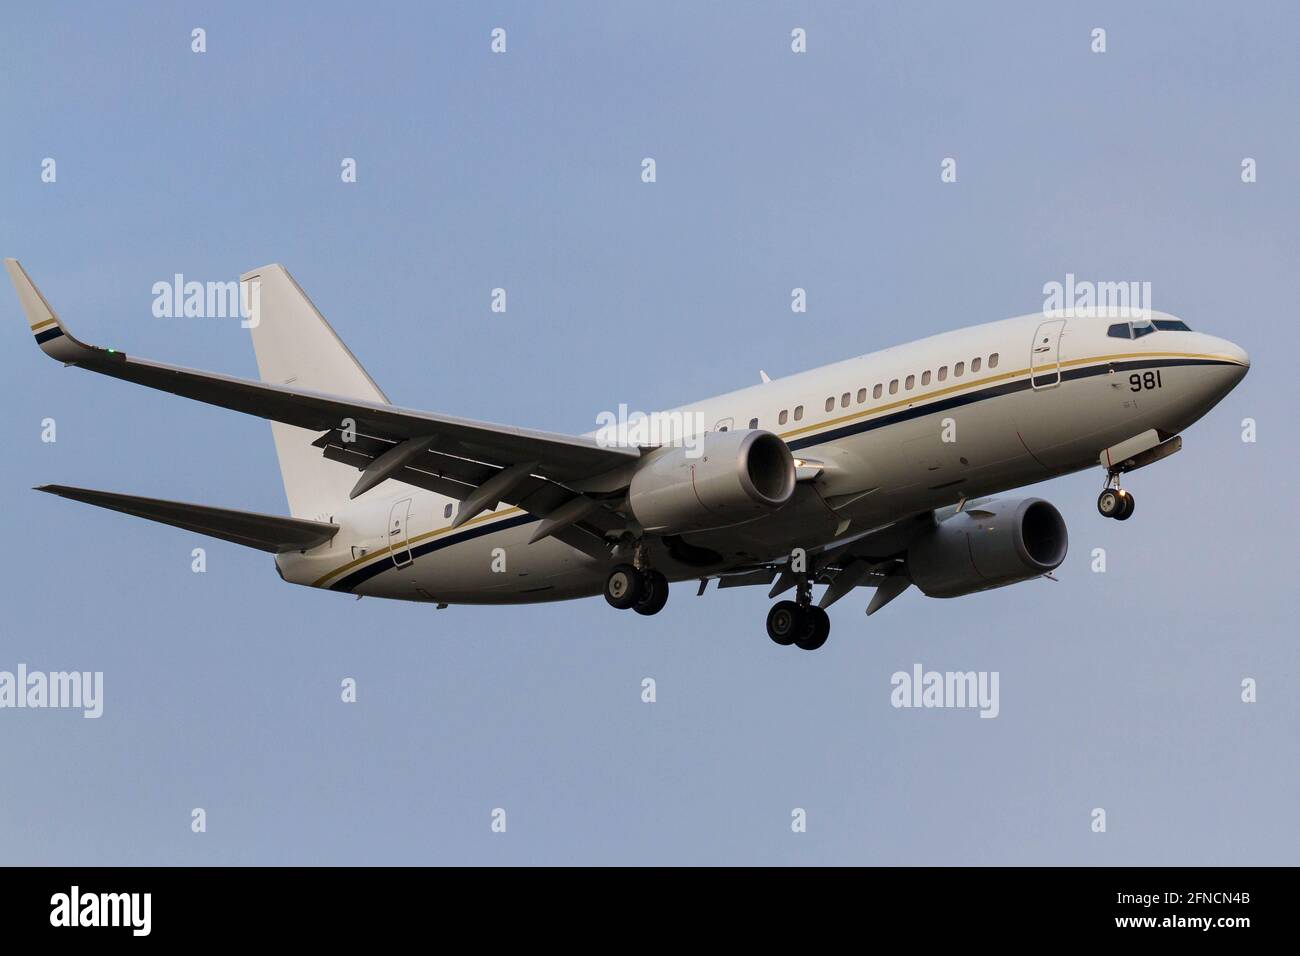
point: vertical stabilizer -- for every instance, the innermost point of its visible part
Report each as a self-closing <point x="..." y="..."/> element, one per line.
<point x="295" y="346"/>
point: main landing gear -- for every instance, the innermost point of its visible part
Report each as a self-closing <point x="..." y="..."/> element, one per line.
<point x="1115" y="502"/>
<point x="798" y="622"/>
<point x="645" y="592"/>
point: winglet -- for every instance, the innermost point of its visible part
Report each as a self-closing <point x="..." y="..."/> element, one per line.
<point x="45" y="325"/>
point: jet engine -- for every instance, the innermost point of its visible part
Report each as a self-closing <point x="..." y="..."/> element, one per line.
<point x="728" y="478"/>
<point x="989" y="546"/>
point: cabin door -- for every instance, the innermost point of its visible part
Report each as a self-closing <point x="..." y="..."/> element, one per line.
<point x="399" y="544"/>
<point x="1045" y="355"/>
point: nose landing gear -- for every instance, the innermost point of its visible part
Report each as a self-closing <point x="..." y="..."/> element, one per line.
<point x="798" y="622"/>
<point x="1115" y="502"/>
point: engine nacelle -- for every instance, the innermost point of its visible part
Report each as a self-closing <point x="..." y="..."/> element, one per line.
<point x="992" y="545"/>
<point x="729" y="478"/>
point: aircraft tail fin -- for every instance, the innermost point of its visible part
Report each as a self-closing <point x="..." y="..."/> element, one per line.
<point x="297" y="348"/>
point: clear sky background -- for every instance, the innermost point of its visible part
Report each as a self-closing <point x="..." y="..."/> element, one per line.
<point x="1118" y="690"/>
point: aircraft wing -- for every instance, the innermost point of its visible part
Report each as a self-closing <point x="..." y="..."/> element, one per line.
<point x="455" y="456"/>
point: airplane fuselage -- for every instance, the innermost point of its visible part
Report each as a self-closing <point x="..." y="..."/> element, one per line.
<point x="906" y="430"/>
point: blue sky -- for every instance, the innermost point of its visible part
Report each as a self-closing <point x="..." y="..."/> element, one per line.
<point x="1118" y="690"/>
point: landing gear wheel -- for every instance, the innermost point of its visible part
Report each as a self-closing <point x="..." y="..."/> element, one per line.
<point x="654" y="593"/>
<point x="784" y="622"/>
<point x="1109" y="503"/>
<point x="1126" y="510"/>
<point x="624" y="587"/>
<point x="819" y="628"/>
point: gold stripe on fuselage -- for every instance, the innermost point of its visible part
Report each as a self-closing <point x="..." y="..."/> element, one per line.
<point x="990" y="380"/>
<point x="436" y="532"/>
<point x="823" y="426"/>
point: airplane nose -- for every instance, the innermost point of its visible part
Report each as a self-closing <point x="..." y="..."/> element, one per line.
<point x="1238" y="355"/>
<point x="1229" y="350"/>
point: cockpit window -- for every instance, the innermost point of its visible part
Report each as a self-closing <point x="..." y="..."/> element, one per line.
<point x="1141" y="327"/>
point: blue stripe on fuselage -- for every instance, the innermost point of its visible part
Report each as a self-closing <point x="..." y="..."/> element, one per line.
<point x="350" y="581"/>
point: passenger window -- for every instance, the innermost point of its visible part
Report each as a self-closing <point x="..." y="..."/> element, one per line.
<point x="974" y="365"/>
<point x="877" y="391"/>
<point x="798" y="413"/>
<point x="893" y="387"/>
<point x="911" y="380"/>
<point x="753" y="423"/>
<point x="862" y="395"/>
<point x="925" y="377"/>
<point x="943" y="373"/>
<point x="993" y="360"/>
<point x="446" y="512"/>
<point x="783" y="417"/>
<point x="958" y="369"/>
<point x="844" y="400"/>
<point x="830" y="403"/>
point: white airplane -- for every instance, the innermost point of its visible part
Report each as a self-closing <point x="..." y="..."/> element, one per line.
<point x="873" y="471"/>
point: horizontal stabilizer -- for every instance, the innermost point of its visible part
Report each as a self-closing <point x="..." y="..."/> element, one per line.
<point x="264" y="532"/>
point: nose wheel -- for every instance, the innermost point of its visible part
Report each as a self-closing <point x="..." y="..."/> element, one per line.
<point x="1115" y="503"/>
